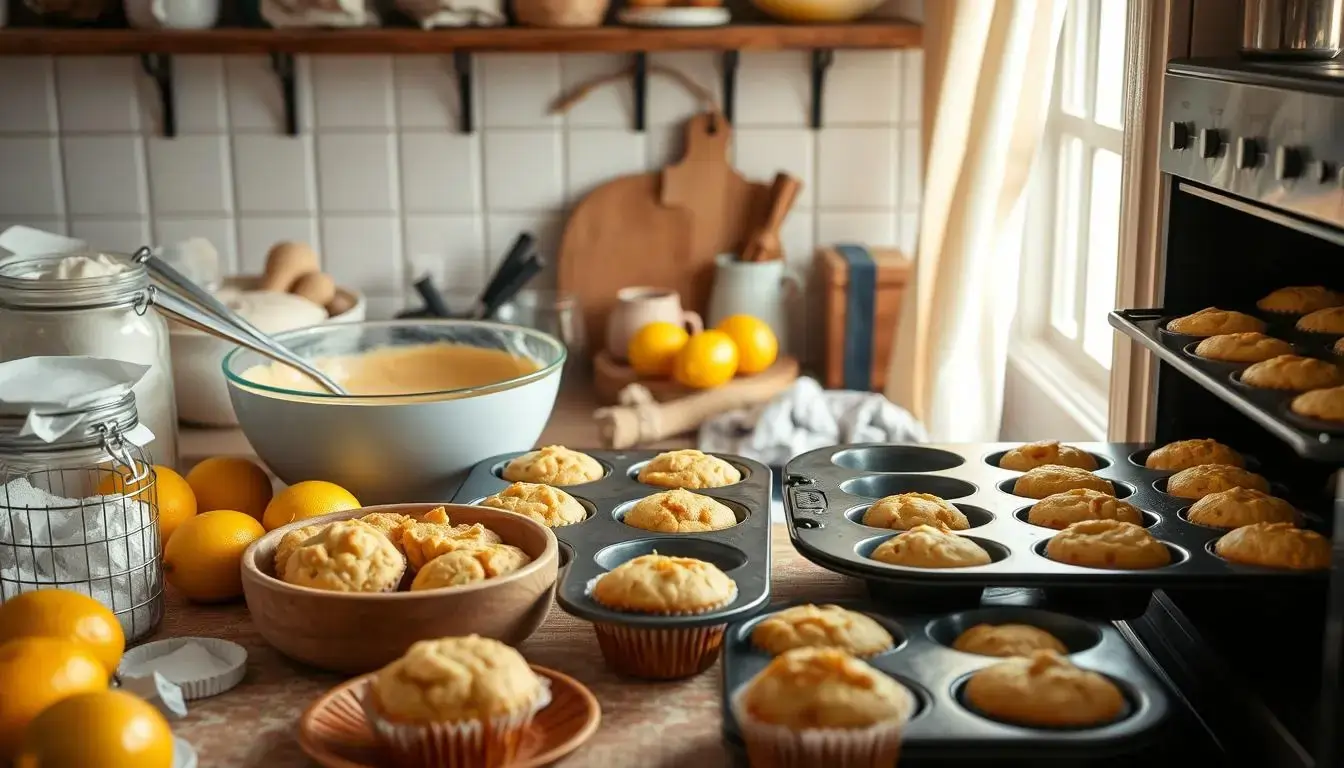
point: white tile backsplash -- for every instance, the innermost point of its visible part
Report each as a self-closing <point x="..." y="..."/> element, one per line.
<point x="426" y="91"/>
<point x="255" y="100"/>
<point x="518" y="88"/>
<point x="774" y="89"/>
<point x="353" y="92"/>
<point x="98" y="93"/>
<point x="862" y="88"/>
<point x="856" y="168"/>
<point x="524" y="170"/>
<point x="30" y="184"/>
<point x="440" y="172"/>
<point x="190" y="175"/>
<point x="610" y="106"/>
<point x="855" y="227"/>
<point x="274" y="174"/>
<point x="116" y="235"/>
<point x="760" y="153"/>
<point x="29" y="101"/>
<point x="451" y="249"/>
<point x="669" y="101"/>
<point x="219" y="231"/>
<point x="912" y="170"/>
<point x="595" y="156"/>
<point x="357" y="172"/>
<point x="256" y="235"/>
<point x="199" y="95"/>
<point x="364" y="251"/>
<point x="105" y="175"/>
<point x="912" y="87"/>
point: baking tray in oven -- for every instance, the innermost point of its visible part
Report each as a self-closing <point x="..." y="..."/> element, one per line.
<point x="1310" y="438"/>
<point x="602" y="542"/>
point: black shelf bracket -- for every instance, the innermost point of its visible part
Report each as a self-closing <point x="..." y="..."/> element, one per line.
<point x="731" y="61"/>
<point x="822" y="59"/>
<point x="159" y="67"/>
<point x="641" y="91"/>
<point x="283" y="66"/>
<point x="462" y="67"/>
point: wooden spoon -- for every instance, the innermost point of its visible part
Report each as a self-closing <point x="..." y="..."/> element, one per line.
<point x="764" y="244"/>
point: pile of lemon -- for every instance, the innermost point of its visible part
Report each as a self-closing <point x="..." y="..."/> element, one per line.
<point x="740" y="345"/>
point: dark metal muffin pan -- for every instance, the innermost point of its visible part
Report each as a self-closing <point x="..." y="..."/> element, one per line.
<point x="602" y="541"/>
<point x="945" y="725"/>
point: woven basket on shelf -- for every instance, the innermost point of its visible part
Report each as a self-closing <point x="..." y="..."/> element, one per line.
<point x="560" y="13"/>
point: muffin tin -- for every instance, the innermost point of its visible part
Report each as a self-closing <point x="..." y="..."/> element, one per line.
<point x="944" y="726"/>
<point x="602" y="541"/>
<point x="1310" y="438"/>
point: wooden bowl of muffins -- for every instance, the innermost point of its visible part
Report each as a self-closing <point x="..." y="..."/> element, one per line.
<point x="350" y="592"/>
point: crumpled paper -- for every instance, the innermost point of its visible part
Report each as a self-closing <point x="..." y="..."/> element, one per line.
<point x="454" y="13"/>
<point x="20" y="241"/>
<point x="283" y="14"/>
<point x="46" y="389"/>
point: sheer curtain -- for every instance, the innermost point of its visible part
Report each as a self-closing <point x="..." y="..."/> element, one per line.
<point x="989" y="65"/>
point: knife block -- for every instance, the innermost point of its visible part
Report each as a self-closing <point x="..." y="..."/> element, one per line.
<point x="864" y="288"/>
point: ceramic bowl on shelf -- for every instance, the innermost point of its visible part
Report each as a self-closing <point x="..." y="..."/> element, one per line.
<point x="354" y="632"/>
<point x="816" y="11"/>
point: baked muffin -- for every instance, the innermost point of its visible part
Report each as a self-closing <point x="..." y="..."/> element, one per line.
<point x="292" y="541"/>
<point x="549" y="506"/>
<point x="432" y="535"/>
<point x="1198" y="482"/>
<point x="1237" y="507"/>
<point x="1299" y="300"/>
<point x="1250" y="347"/>
<point x="1108" y="544"/>
<point x="1323" y="404"/>
<point x="1007" y="640"/>
<point x="1212" y="321"/>
<point x="391" y="525"/>
<point x="349" y="556"/>
<point x="904" y="511"/>
<point x="664" y="586"/>
<point x="678" y="511"/>
<point x="465" y="566"/>
<point x="1050" y="479"/>
<point x="822" y="707"/>
<point x="554" y="465"/>
<point x="1060" y="510"/>
<point x="1338" y="347"/>
<point x="1044" y="690"/>
<point x="1328" y="320"/>
<point x="1033" y="455"/>
<point x="1292" y="372"/>
<point x="925" y="546"/>
<point x="688" y="469"/>
<point x="455" y="701"/>
<point x="1184" y="454"/>
<point x="821" y="626"/>
<point x="1275" y="545"/>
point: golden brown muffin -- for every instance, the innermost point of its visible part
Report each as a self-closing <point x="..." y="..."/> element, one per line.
<point x="391" y="525"/>
<point x="349" y="556"/>
<point x="906" y="510"/>
<point x="455" y="679"/>
<point x="549" y="506"/>
<point x="1198" y="482"/>
<point x="821" y="626"/>
<point x="1248" y="347"/>
<point x="1338" y="347"/>
<point x="1275" y="545"/>
<point x="1323" y="404"/>
<point x="465" y="566"/>
<point x="1033" y="455"/>
<point x="824" y="688"/>
<point x="1212" y="321"/>
<point x="665" y="585"/>
<point x="1108" y="544"/>
<point x="1328" y="320"/>
<point x="925" y="546"/>
<point x="432" y="535"/>
<point x="292" y="541"/>
<point x="1044" y="690"/>
<point x="688" y="469"/>
<point x="1007" y="640"/>
<point x="678" y="511"/>
<point x="1300" y="300"/>
<point x="1237" y="507"/>
<point x="1061" y="510"/>
<point x="1184" y="454"/>
<point x="554" y="465"/>
<point x="1292" y="372"/>
<point x="1051" y="479"/>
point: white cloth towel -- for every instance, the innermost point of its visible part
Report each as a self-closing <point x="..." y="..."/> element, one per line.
<point x="805" y="417"/>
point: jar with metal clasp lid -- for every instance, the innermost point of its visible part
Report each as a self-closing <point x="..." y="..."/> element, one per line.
<point x="57" y="531"/>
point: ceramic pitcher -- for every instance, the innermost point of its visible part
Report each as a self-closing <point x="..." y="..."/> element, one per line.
<point x="762" y="289"/>
<point x="639" y="306"/>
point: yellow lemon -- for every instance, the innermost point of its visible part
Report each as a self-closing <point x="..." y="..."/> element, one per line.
<point x="311" y="498"/>
<point x="65" y="615"/>
<point x="36" y="672"/>
<point x="203" y="559"/>
<point x="709" y="359"/>
<point x="176" y="500"/>
<point x="109" y="729"/>
<point x="757" y="345"/>
<point x="228" y="482"/>
<point x="653" y="349"/>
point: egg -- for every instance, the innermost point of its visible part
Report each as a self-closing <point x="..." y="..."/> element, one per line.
<point x="285" y="263"/>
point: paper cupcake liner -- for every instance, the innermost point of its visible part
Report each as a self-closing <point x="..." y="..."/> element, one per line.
<point x="777" y="746"/>
<point x="204" y="685"/>
<point x="659" y="654"/>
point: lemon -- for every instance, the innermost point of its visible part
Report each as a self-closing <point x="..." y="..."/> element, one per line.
<point x="65" y="615"/>
<point x="228" y="482"/>
<point x="757" y="345"/>
<point x="36" y="672"/>
<point x="109" y="729"/>
<point x="654" y="347"/>
<point x="311" y="498"/>
<point x="176" y="500"/>
<point x="203" y="560"/>
<point x="709" y="359"/>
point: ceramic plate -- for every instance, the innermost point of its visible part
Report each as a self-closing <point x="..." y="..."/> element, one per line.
<point x="334" y="732"/>
<point x="675" y="17"/>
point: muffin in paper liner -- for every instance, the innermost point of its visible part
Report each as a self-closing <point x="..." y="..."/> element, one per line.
<point x="778" y="746"/>
<point x="661" y="653"/>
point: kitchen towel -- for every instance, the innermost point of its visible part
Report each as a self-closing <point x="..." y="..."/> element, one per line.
<point x="805" y="417"/>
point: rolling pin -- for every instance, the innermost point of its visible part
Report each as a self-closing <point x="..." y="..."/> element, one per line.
<point x="641" y="419"/>
<point x="764" y="244"/>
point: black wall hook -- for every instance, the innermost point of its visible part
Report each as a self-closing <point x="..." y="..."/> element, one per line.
<point x="641" y="91"/>
<point x="822" y="59"/>
<point x="160" y="68"/>
<point x="283" y="66"/>
<point x="462" y="66"/>
<point x="731" y="61"/>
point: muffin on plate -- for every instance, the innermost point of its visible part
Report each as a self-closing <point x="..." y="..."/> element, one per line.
<point x="1323" y="404"/>
<point x="1275" y="545"/>
<point x="822" y="707"/>
<point x="1300" y="300"/>
<point x="292" y="541"/>
<point x="1184" y="454"/>
<point x="1044" y="690"/>
<point x="432" y="535"/>
<point x="1328" y="320"/>
<point x="457" y="701"/>
<point x="688" y="468"/>
<point x="554" y="465"/>
<point x="1060" y="510"/>
<point x="549" y="506"/>
<point x="349" y="556"/>
<point x="1007" y="640"/>
<point x="1250" y="347"/>
<point x="925" y="546"/>
<point x="1212" y="321"/>
<point x="1237" y="507"/>
<point x="678" y="511"/>
<point x="1050" y="479"/>
<point x="1292" y="372"/>
<point x="662" y="586"/>
<point x="1032" y="455"/>
<point x="1198" y="482"/>
<point x="821" y="626"/>
<point x="466" y="566"/>
<point x="1108" y="544"/>
<point x="904" y="511"/>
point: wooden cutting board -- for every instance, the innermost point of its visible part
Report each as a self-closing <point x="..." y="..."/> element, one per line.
<point x="610" y="377"/>
<point x="661" y="229"/>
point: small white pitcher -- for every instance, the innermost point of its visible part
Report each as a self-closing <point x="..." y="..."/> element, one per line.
<point x="762" y="289"/>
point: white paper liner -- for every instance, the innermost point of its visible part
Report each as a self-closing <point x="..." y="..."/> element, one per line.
<point x="777" y="746"/>
<point x="206" y="685"/>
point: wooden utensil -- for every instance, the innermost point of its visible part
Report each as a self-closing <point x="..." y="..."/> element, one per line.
<point x="764" y="243"/>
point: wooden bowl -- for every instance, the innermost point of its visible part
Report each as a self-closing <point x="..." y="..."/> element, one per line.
<point x="355" y="632"/>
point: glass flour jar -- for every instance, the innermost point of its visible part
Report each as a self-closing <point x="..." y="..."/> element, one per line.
<point x="93" y="304"/>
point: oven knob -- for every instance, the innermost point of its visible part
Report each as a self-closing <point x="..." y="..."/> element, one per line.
<point x="1287" y="163"/>
<point x="1248" y="152"/>
<point x="1210" y="142"/>
<point x="1180" y="135"/>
